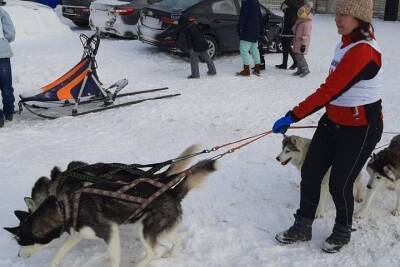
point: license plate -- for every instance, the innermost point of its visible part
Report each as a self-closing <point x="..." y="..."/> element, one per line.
<point x="152" y="22"/>
<point x="69" y="10"/>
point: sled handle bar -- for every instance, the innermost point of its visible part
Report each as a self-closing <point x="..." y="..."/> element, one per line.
<point x="90" y="44"/>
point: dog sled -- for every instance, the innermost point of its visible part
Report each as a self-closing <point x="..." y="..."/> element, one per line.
<point x="79" y="91"/>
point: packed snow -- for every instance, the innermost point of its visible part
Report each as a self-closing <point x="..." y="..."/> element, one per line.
<point x="232" y="220"/>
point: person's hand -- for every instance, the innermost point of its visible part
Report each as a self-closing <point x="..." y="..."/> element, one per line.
<point x="303" y="49"/>
<point x="282" y="124"/>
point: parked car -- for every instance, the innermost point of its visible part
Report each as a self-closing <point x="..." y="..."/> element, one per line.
<point x="50" y="3"/>
<point x="77" y="11"/>
<point x="116" y="17"/>
<point x="217" y="20"/>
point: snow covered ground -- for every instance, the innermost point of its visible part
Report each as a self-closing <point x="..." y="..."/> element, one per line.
<point x="232" y="220"/>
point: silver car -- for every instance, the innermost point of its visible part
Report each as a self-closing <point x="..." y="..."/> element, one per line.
<point x="116" y="17"/>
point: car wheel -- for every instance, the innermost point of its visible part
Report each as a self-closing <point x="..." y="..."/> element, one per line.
<point x="212" y="46"/>
<point x="81" y="23"/>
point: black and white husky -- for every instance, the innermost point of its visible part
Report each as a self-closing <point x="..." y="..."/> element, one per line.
<point x="100" y="217"/>
<point x="294" y="150"/>
<point x="383" y="168"/>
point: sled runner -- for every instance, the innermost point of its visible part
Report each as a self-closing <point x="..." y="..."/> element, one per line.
<point x="79" y="91"/>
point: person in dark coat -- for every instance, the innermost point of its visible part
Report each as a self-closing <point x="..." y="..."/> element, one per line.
<point x="190" y="40"/>
<point x="289" y="8"/>
<point x="250" y="28"/>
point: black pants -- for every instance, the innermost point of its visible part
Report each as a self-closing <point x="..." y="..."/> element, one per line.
<point x="344" y="148"/>
<point x="287" y="50"/>
<point x="262" y="53"/>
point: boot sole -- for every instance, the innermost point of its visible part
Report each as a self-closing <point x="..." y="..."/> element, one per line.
<point x="283" y="242"/>
<point x="330" y="251"/>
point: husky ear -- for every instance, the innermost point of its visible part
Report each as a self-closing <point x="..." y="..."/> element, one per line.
<point x="294" y="140"/>
<point x="30" y="204"/>
<point x="13" y="230"/>
<point x="54" y="173"/>
<point x="21" y="215"/>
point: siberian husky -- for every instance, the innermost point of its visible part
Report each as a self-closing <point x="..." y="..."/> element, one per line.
<point x="383" y="167"/>
<point x="294" y="150"/>
<point x="100" y="217"/>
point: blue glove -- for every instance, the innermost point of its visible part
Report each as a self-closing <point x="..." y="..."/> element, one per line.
<point x="281" y="125"/>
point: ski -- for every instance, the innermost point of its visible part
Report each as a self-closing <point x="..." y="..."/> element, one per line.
<point x="142" y="92"/>
<point x="124" y="104"/>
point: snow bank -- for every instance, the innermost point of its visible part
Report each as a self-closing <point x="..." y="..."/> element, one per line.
<point x="35" y="21"/>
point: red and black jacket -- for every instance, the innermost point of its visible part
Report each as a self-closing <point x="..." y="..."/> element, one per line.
<point x="362" y="62"/>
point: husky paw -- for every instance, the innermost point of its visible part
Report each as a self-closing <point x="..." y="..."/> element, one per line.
<point x="359" y="214"/>
<point x="359" y="199"/>
<point x="168" y="254"/>
<point x="396" y="212"/>
<point x="319" y="214"/>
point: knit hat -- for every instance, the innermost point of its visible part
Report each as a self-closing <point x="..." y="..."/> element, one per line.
<point x="307" y="8"/>
<point x="360" y="9"/>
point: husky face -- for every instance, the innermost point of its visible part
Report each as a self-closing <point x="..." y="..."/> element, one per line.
<point x="37" y="230"/>
<point x="380" y="166"/>
<point x="294" y="149"/>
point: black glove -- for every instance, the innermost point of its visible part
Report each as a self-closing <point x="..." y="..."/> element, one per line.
<point x="303" y="49"/>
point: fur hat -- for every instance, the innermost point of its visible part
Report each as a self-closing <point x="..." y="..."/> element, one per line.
<point x="360" y="9"/>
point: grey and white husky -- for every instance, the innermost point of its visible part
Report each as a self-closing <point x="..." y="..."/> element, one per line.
<point x="294" y="150"/>
<point x="100" y="217"/>
<point x="383" y="168"/>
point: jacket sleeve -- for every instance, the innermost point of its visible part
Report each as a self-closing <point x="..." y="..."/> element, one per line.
<point x="8" y="27"/>
<point x="362" y="62"/>
<point x="243" y="17"/>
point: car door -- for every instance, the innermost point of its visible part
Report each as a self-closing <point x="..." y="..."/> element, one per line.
<point x="223" y="21"/>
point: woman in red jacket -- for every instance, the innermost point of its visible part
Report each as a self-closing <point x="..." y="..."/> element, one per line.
<point x="349" y="130"/>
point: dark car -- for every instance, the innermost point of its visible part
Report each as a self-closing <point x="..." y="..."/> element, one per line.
<point x="77" y="11"/>
<point x="216" y="19"/>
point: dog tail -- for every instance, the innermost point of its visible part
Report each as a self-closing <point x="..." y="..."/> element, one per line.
<point x="196" y="176"/>
<point x="181" y="165"/>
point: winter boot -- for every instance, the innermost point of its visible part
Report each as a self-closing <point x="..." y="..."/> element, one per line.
<point x="304" y="73"/>
<point x="294" y="66"/>
<point x="193" y="77"/>
<point x="256" y="70"/>
<point x="340" y="237"/>
<point x="245" y="71"/>
<point x="298" y="72"/>
<point x="1" y="122"/>
<point x="300" y="231"/>
<point x="8" y="117"/>
<point x="281" y="66"/>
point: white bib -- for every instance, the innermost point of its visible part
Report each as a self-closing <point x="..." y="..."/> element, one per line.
<point x="365" y="91"/>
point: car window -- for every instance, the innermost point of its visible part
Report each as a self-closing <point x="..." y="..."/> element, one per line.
<point x="226" y="7"/>
<point x="178" y="4"/>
